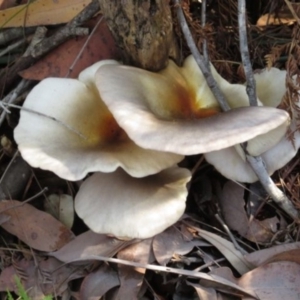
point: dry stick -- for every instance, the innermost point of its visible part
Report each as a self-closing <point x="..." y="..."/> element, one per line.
<point x="11" y="97"/>
<point x="10" y="76"/>
<point x="255" y="163"/>
<point x="251" y="85"/>
<point x="8" y="35"/>
<point x="38" y="36"/>
<point x="203" y="21"/>
<point x="233" y="240"/>
<point x="200" y="59"/>
<point x="289" y="5"/>
<point x="8" y="166"/>
<point x="13" y="46"/>
<point x="71" y="29"/>
<point x="209" y="264"/>
<point x="83" y="48"/>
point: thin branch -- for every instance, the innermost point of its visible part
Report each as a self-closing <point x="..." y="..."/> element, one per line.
<point x="67" y="31"/>
<point x="13" y="46"/>
<point x="200" y="59"/>
<point x="251" y="85"/>
<point x="290" y="6"/>
<point x="83" y="47"/>
<point x="8" y="35"/>
<point x="226" y="228"/>
<point x="8" y="166"/>
<point x="10" y="76"/>
<point x="203" y="21"/>
<point x="277" y="195"/>
<point x="11" y="97"/>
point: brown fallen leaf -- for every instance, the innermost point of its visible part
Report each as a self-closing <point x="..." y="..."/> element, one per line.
<point x="225" y="273"/>
<point x="4" y="218"/>
<point x="169" y="242"/>
<point x="257" y="258"/>
<point x="276" y="281"/>
<point x="233" y="207"/>
<point x="98" y="283"/>
<point x="204" y="293"/>
<point x="57" y="63"/>
<point x="42" y="12"/>
<point x="34" y="227"/>
<point x="88" y="244"/>
<point x="131" y="279"/>
<point x="291" y="255"/>
<point x="235" y="257"/>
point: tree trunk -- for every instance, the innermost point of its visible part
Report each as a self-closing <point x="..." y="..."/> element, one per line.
<point x="143" y="29"/>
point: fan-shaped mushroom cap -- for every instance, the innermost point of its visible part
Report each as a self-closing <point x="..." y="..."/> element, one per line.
<point x="231" y="165"/>
<point x="81" y="134"/>
<point x="231" y="162"/>
<point x="175" y="111"/>
<point x="128" y="207"/>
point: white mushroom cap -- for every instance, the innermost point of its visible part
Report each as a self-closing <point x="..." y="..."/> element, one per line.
<point x="231" y="163"/>
<point x="128" y="207"/>
<point x="89" y="139"/>
<point x="270" y="86"/>
<point x="270" y="90"/>
<point x="175" y="111"/>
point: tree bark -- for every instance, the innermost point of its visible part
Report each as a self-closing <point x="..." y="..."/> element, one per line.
<point x="143" y="29"/>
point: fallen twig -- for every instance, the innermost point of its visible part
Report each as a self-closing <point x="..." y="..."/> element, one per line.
<point x="275" y="193"/>
<point x="9" y="77"/>
<point x="233" y="240"/>
<point x="203" y="21"/>
<point x="200" y="59"/>
<point x="8" y="35"/>
<point x="251" y="85"/>
<point x="83" y="47"/>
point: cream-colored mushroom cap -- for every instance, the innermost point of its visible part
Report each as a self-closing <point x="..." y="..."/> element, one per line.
<point x="231" y="162"/>
<point x="175" y="111"/>
<point x="81" y="134"/>
<point x="233" y="166"/>
<point x="128" y="207"/>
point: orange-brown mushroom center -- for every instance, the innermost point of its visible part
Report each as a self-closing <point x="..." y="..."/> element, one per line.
<point x="110" y="131"/>
<point x="186" y="107"/>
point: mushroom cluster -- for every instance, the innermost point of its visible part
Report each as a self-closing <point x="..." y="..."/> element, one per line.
<point x="132" y="127"/>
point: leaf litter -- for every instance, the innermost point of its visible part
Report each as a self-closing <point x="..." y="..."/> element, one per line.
<point x="187" y="260"/>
